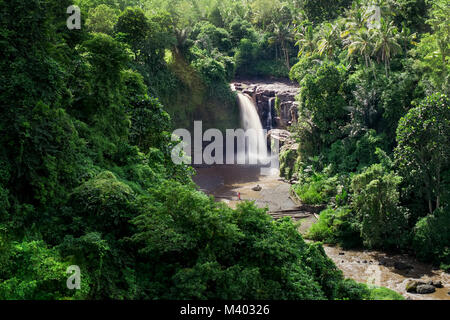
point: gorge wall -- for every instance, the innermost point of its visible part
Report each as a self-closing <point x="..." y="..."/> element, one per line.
<point x="267" y="96"/>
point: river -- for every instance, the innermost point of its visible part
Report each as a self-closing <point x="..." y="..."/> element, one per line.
<point x="226" y="182"/>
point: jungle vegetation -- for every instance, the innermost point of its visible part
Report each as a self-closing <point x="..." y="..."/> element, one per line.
<point x="86" y="115"/>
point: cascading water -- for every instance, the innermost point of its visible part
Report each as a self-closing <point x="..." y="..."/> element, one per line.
<point x="269" y="113"/>
<point x="250" y="120"/>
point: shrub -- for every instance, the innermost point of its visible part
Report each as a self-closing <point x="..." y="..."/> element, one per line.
<point x="317" y="189"/>
<point x="321" y="230"/>
<point x="431" y="240"/>
<point x="355" y="153"/>
<point x="287" y="163"/>
<point x="337" y="226"/>
<point x="102" y="204"/>
<point x="352" y="290"/>
<point x="380" y="293"/>
<point x="349" y="289"/>
<point x="33" y="271"/>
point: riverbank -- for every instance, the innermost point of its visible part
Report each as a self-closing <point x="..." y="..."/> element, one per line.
<point x="226" y="182"/>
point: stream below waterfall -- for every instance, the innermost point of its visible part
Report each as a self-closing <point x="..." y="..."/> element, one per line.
<point x="226" y="181"/>
<point x="230" y="182"/>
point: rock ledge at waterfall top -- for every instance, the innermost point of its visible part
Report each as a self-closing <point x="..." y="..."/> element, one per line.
<point x="264" y="92"/>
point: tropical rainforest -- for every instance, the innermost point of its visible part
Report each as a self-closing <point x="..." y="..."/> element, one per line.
<point x="86" y="117"/>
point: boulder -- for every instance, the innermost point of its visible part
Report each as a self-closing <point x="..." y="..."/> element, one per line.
<point x="437" y="284"/>
<point x="249" y="90"/>
<point x="257" y="188"/>
<point x="402" y="266"/>
<point x="238" y="86"/>
<point x="286" y="95"/>
<point x="411" y="285"/>
<point x="425" y="289"/>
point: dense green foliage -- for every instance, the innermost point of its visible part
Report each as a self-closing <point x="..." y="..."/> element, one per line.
<point x="431" y="238"/>
<point x="86" y="175"/>
<point x="375" y="201"/>
<point x="85" y="119"/>
<point x="373" y="127"/>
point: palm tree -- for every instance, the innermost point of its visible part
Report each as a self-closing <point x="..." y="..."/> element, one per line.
<point x="282" y="35"/>
<point x="386" y="45"/>
<point x="406" y="38"/>
<point x="356" y="18"/>
<point x="360" y="42"/>
<point x="329" y="39"/>
<point x="383" y="8"/>
<point x="306" y="40"/>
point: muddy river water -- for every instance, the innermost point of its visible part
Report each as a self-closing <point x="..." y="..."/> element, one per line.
<point x="229" y="182"/>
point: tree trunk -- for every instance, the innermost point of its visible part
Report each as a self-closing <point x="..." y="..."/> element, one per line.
<point x="373" y="70"/>
<point x="386" y="67"/>
<point x="438" y="187"/>
<point x="430" y="204"/>
<point x="286" y="55"/>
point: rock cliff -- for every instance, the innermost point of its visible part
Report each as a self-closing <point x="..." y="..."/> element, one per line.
<point x="276" y="103"/>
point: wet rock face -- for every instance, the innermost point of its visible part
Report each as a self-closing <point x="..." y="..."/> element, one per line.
<point x="264" y="94"/>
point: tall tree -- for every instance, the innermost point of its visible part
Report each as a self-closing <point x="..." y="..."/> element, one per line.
<point x="102" y="19"/>
<point x="328" y="39"/>
<point x="133" y="27"/>
<point x="423" y="137"/>
<point x="282" y="35"/>
<point x="306" y="40"/>
<point x="386" y="45"/>
<point x="360" y="42"/>
<point x="356" y="17"/>
<point x="406" y="38"/>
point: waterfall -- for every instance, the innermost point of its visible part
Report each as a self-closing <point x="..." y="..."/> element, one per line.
<point x="250" y="120"/>
<point x="269" y="115"/>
